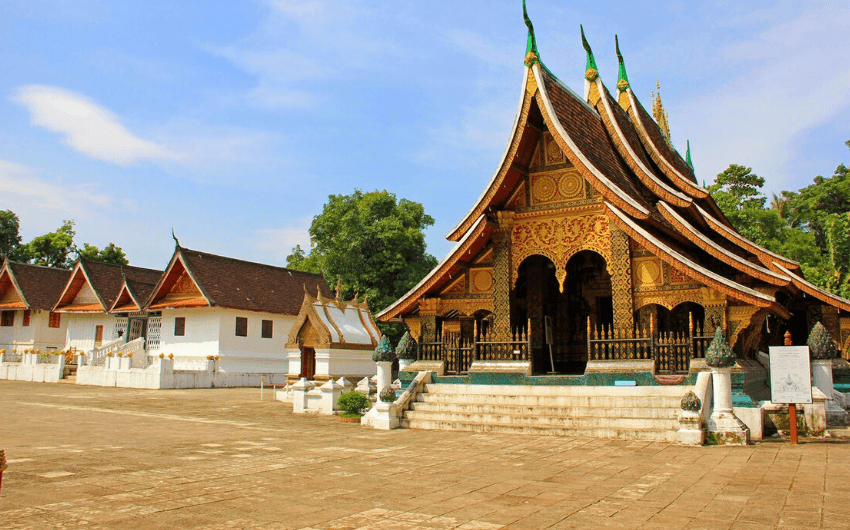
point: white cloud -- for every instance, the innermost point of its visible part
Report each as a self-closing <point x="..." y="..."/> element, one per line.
<point x="87" y="127"/>
<point x="46" y="200"/>
<point x="281" y="241"/>
<point x="793" y="83"/>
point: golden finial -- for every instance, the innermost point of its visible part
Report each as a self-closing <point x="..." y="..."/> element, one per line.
<point x="659" y="112"/>
<point x="338" y="288"/>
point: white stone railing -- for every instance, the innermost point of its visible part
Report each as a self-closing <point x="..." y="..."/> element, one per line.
<point x="97" y="355"/>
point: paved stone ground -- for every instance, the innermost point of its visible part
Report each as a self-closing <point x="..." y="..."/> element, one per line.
<point x="220" y="458"/>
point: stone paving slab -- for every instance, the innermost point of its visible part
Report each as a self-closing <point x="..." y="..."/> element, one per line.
<point x="222" y="459"/>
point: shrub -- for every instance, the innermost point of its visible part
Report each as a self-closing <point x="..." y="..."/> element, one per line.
<point x="353" y="402"/>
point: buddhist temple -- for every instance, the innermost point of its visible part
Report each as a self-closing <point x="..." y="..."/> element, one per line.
<point x="593" y="248"/>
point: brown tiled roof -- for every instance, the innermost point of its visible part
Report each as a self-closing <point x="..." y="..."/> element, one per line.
<point x="585" y="128"/>
<point x="239" y="284"/>
<point x="197" y="301"/>
<point x="81" y="308"/>
<point x="660" y="141"/>
<point x="41" y="286"/>
<point x="107" y="279"/>
<point x="142" y="290"/>
<point x="13" y="305"/>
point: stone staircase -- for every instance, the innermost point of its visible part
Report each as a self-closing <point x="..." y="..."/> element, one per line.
<point x="628" y="413"/>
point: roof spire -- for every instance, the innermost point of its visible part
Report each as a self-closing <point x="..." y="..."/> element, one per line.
<point x="659" y="112"/>
<point x="688" y="156"/>
<point x="531" y="54"/>
<point x="338" y="288"/>
<point x="591" y="72"/>
<point x="176" y="241"/>
<point x="623" y="77"/>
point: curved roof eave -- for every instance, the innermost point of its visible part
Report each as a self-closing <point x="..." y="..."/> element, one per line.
<point x="420" y="288"/>
<point x="644" y="173"/>
<point x="718" y="252"/>
<point x="590" y="172"/>
<point x="15" y="284"/>
<point x="457" y="232"/>
<point x="684" y="183"/>
<point x="815" y="291"/>
<point x="688" y="267"/>
<point x="766" y="256"/>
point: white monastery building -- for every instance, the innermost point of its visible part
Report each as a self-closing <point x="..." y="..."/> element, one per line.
<point x="27" y="295"/>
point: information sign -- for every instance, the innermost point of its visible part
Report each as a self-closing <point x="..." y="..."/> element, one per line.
<point x="790" y="374"/>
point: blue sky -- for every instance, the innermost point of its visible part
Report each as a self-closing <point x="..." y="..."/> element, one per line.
<point x="233" y="121"/>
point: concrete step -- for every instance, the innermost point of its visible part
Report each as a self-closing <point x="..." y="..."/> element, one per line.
<point x="639" y="412"/>
<point x="592" y="432"/>
<point x="580" y="421"/>
<point x="565" y="401"/>
<point x="672" y="391"/>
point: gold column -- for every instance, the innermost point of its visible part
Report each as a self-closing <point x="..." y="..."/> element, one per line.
<point x="428" y="317"/>
<point x="502" y="276"/>
<point x="622" y="291"/>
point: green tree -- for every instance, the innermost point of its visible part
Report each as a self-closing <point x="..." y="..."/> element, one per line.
<point x="374" y="242"/>
<point x="52" y="249"/>
<point x="109" y="254"/>
<point x="741" y="184"/>
<point x="10" y="237"/>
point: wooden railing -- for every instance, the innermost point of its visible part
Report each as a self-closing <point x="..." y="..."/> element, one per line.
<point x="459" y="353"/>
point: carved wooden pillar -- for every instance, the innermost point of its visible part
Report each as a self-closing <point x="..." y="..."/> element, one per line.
<point x="534" y="302"/>
<point x="467" y="327"/>
<point x="502" y="277"/>
<point x="622" y="292"/>
<point x="428" y="318"/>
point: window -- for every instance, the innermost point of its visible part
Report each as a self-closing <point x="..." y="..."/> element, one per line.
<point x="98" y="335"/>
<point x="179" y="326"/>
<point x="241" y="327"/>
<point x="55" y="320"/>
<point x="26" y="318"/>
<point x="7" y="318"/>
<point x="268" y="329"/>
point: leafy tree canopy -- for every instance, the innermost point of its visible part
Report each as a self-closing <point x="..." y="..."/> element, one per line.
<point x="374" y="242"/>
<point x="52" y="249"/>
<point x="109" y="254"/>
<point x="10" y="237"/>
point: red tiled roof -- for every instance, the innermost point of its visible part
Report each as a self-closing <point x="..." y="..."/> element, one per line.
<point x="12" y="305"/>
<point x="80" y="308"/>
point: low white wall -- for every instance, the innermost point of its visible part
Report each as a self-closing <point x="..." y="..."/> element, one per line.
<point x="353" y="364"/>
<point x="161" y="374"/>
<point x="31" y="370"/>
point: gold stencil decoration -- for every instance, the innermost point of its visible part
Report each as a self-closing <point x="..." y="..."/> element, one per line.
<point x="571" y="186"/>
<point x="554" y="155"/>
<point x="669" y="299"/>
<point x="481" y="280"/>
<point x="517" y="200"/>
<point x="676" y="276"/>
<point x="457" y="286"/>
<point x="648" y="272"/>
<point x="559" y="239"/>
<point x="557" y="186"/>
<point x="545" y="188"/>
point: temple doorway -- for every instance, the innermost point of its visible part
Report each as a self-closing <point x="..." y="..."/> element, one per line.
<point x="538" y="301"/>
<point x="308" y="363"/>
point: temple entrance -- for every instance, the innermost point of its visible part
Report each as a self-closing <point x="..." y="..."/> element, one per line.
<point x="308" y="363"/>
<point x="537" y="298"/>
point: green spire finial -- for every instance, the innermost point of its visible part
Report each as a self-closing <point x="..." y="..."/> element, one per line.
<point x="531" y="54"/>
<point x="688" y="156"/>
<point x="591" y="72"/>
<point x="623" y="79"/>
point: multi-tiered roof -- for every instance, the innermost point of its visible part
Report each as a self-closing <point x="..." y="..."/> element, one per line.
<point x="648" y="190"/>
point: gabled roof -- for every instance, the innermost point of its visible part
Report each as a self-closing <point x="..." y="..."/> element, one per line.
<point x="105" y="280"/>
<point x="37" y="287"/>
<point x="133" y="296"/>
<point x="233" y="283"/>
<point x="338" y="324"/>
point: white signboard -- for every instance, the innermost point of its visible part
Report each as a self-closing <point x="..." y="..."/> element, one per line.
<point x="790" y="374"/>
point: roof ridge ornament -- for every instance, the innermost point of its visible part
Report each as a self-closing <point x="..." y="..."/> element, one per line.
<point x="532" y="56"/>
<point x="591" y="71"/>
<point x="623" y="77"/>
<point x="688" y="156"/>
<point x="176" y="241"/>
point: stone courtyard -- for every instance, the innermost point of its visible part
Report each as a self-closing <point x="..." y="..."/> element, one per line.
<point x="221" y="458"/>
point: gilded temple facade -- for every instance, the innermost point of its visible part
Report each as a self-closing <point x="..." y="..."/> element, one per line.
<point x="593" y="246"/>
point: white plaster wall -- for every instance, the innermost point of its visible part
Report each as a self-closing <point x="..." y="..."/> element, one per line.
<point x="81" y="329"/>
<point x="353" y="364"/>
<point x="253" y="353"/>
<point x="202" y="333"/>
<point x="38" y="335"/>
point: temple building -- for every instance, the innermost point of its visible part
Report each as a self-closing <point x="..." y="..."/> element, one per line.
<point x="27" y="295"/>
<point x="593" y="248"/>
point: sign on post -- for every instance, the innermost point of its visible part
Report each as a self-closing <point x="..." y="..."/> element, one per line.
<point x="790" y="375"/>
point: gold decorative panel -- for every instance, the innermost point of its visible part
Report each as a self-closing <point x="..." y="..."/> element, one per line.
<point x="553" y="152"/>
<point x="458" y="286"/>
<point x="677" y="277"/>
<point x="557" y="186"/>
<point x="669" y="299"/>
<point x="517" y="200"/>
<point x="559" y="239"/>
<point x="467" y="306"/>
<point x="648" y="272"/>
<point x="481" y="281"/>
